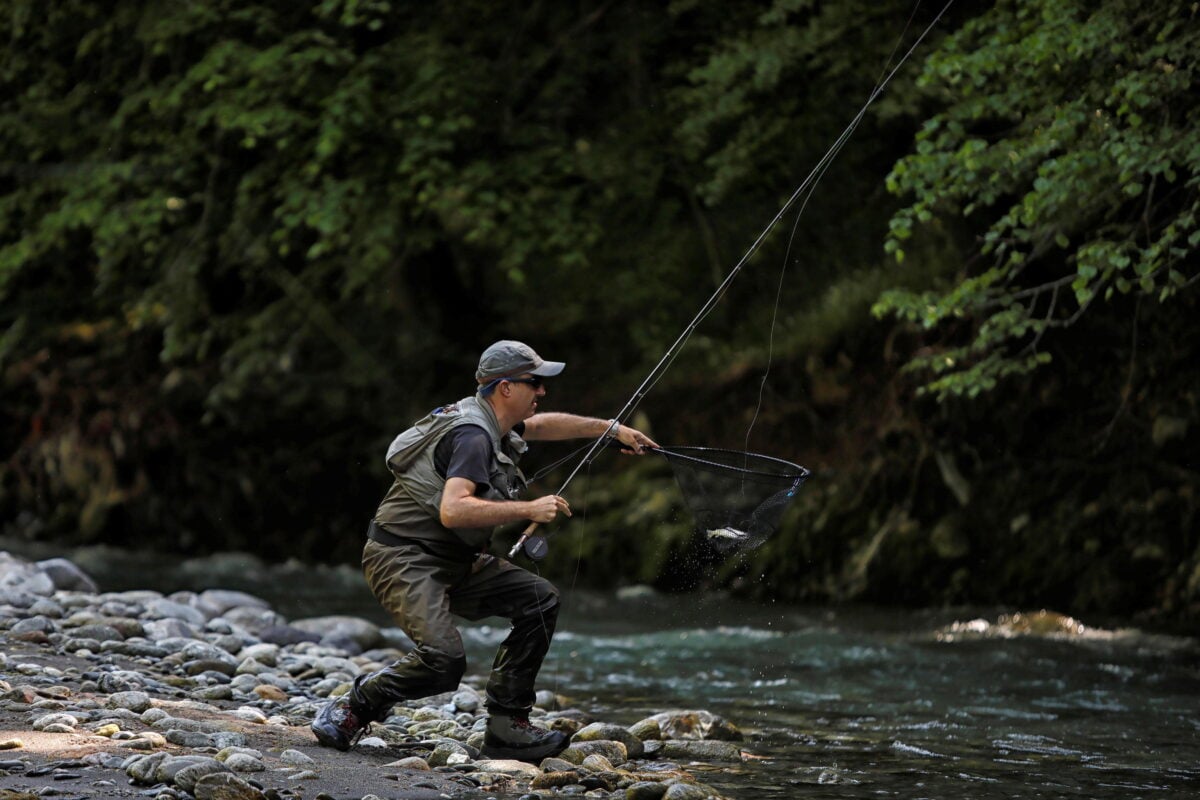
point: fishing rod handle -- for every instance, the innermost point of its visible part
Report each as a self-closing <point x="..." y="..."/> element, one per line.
<point x="525" y="534"/>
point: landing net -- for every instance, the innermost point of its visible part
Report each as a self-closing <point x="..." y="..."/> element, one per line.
<point x="736" y="498"/>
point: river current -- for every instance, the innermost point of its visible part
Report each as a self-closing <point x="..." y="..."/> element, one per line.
<point x="850" y="702"/>
<point x="891" y="703"/>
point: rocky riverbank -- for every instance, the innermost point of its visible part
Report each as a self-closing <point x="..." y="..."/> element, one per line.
<point x="209" y="695"/>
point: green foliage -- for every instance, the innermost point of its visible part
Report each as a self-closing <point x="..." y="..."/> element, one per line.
<point x="1068" y="141"/>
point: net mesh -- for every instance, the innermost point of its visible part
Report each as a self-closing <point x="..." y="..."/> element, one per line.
<point x="736" y="498"/>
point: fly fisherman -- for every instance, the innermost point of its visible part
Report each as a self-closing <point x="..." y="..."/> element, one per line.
<point x="426" y="553"/>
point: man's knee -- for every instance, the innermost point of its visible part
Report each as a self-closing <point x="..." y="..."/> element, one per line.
<point x="544" y="604"/>
<point x="446" y="669"/>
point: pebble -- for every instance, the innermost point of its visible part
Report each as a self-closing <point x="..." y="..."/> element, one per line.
<point x="191" y="651"/>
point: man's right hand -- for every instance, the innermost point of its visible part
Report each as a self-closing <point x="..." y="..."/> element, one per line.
<point x="545" y="509"/>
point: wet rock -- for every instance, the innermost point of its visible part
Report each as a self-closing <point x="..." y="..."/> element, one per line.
<point x="696" y="725"/>
<point x="646" y="790"/>
<point x="597" y="763"/>
<point x="550" y="780"/>
<point x="688" y="791"/>
<point x="615" y="752"/>
<point x="517" y="769"/>
<point x="646" y="730"/>
<point x="599" y="731"/>
<point x="700" y="750"/>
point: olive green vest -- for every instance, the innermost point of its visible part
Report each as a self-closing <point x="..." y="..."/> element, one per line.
<point x="412" y="507"/>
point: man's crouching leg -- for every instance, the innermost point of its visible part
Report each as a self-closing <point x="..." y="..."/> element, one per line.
<point x="509" y="732"/>
<point x="422" y="672"/>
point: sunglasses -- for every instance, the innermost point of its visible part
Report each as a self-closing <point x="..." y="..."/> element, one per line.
<point x="534" y="381"/>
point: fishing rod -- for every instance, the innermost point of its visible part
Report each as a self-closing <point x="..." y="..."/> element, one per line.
<point x="535" y="546"/>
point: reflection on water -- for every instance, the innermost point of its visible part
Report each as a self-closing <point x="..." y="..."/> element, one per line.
<point x="847" y="703"/>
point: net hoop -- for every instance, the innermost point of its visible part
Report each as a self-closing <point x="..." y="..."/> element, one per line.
<point x="788" y="470"/>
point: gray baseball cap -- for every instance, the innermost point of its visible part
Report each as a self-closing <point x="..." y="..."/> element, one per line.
<point x="506" y="358"/>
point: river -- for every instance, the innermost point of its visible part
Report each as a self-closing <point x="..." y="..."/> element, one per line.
<point x="837" y="703"/>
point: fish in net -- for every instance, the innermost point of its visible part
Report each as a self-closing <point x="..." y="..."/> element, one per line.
<point x="736" y="498"/>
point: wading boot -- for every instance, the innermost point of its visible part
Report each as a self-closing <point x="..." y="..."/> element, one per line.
<point x="516" y="737"/>
<point x="340" y="723"/>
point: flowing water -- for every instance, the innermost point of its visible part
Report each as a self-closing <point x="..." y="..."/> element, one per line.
<point x="846" y="703"/>
<point x="874" y="703"/>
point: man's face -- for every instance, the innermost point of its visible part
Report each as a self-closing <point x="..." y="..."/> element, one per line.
<point x="527" y="389"/>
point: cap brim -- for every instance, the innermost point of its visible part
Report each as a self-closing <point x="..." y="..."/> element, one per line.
<point x="548" y="369"/>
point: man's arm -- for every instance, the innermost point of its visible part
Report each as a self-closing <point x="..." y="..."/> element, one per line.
<point x="553" y="426"/>
<point x="460" y="508"/>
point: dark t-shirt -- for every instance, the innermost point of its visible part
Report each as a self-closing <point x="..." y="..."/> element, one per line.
<point x="466" y="452"/>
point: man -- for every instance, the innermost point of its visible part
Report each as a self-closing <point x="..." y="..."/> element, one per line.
<point x="426" y="553"/>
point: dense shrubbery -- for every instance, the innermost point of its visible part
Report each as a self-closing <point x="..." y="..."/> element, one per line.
<point x="241" y="245"/>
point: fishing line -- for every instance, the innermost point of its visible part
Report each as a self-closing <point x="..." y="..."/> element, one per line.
<point x="659" y="369"/>
<point x="796" y="226"/>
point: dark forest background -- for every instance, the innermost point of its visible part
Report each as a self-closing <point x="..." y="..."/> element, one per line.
<point x="244" y="244"/>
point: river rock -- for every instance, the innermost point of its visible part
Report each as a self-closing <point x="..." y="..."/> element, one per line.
<point x="225" y="786"/>
<point x="551" y="780"/>
<point x="696" y="725"/>
<point x="296" y="758"/>
<point x="441" y="755"/>
<point x="244" y="762"/>
<point x="711" y="750"/>
<point x="37" y="624"/>
<point x="18" y="577"/>
<point x="187" y="778"/>
<point x="466" y="701"/>
<point x="255" y="620"/>
<point x="162" y="629"/>
<point x="688" y="791"/>
<point x="412" y="762"/>
<point x="225" y="599"/>
<point x="137" y="702"/>
<point x="597" y="763"/>
<point x="363" y="633"/>
<point x="503" y="766"/>
<point x="614" y="751"/>
<point x="142" y="769"/>
<point x="66" y="576"/>
<point x="598" y="731"/>
<point x="646" y="730"/>
<point x="646" y="790"/>
<point x="56" y="723"/>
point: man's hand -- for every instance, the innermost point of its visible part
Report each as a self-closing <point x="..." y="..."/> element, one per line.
<point x="633" y="441"/>
<point x="545" y="509"/>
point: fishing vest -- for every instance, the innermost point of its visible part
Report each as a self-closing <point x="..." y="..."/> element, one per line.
<point x="412" y="507"/>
